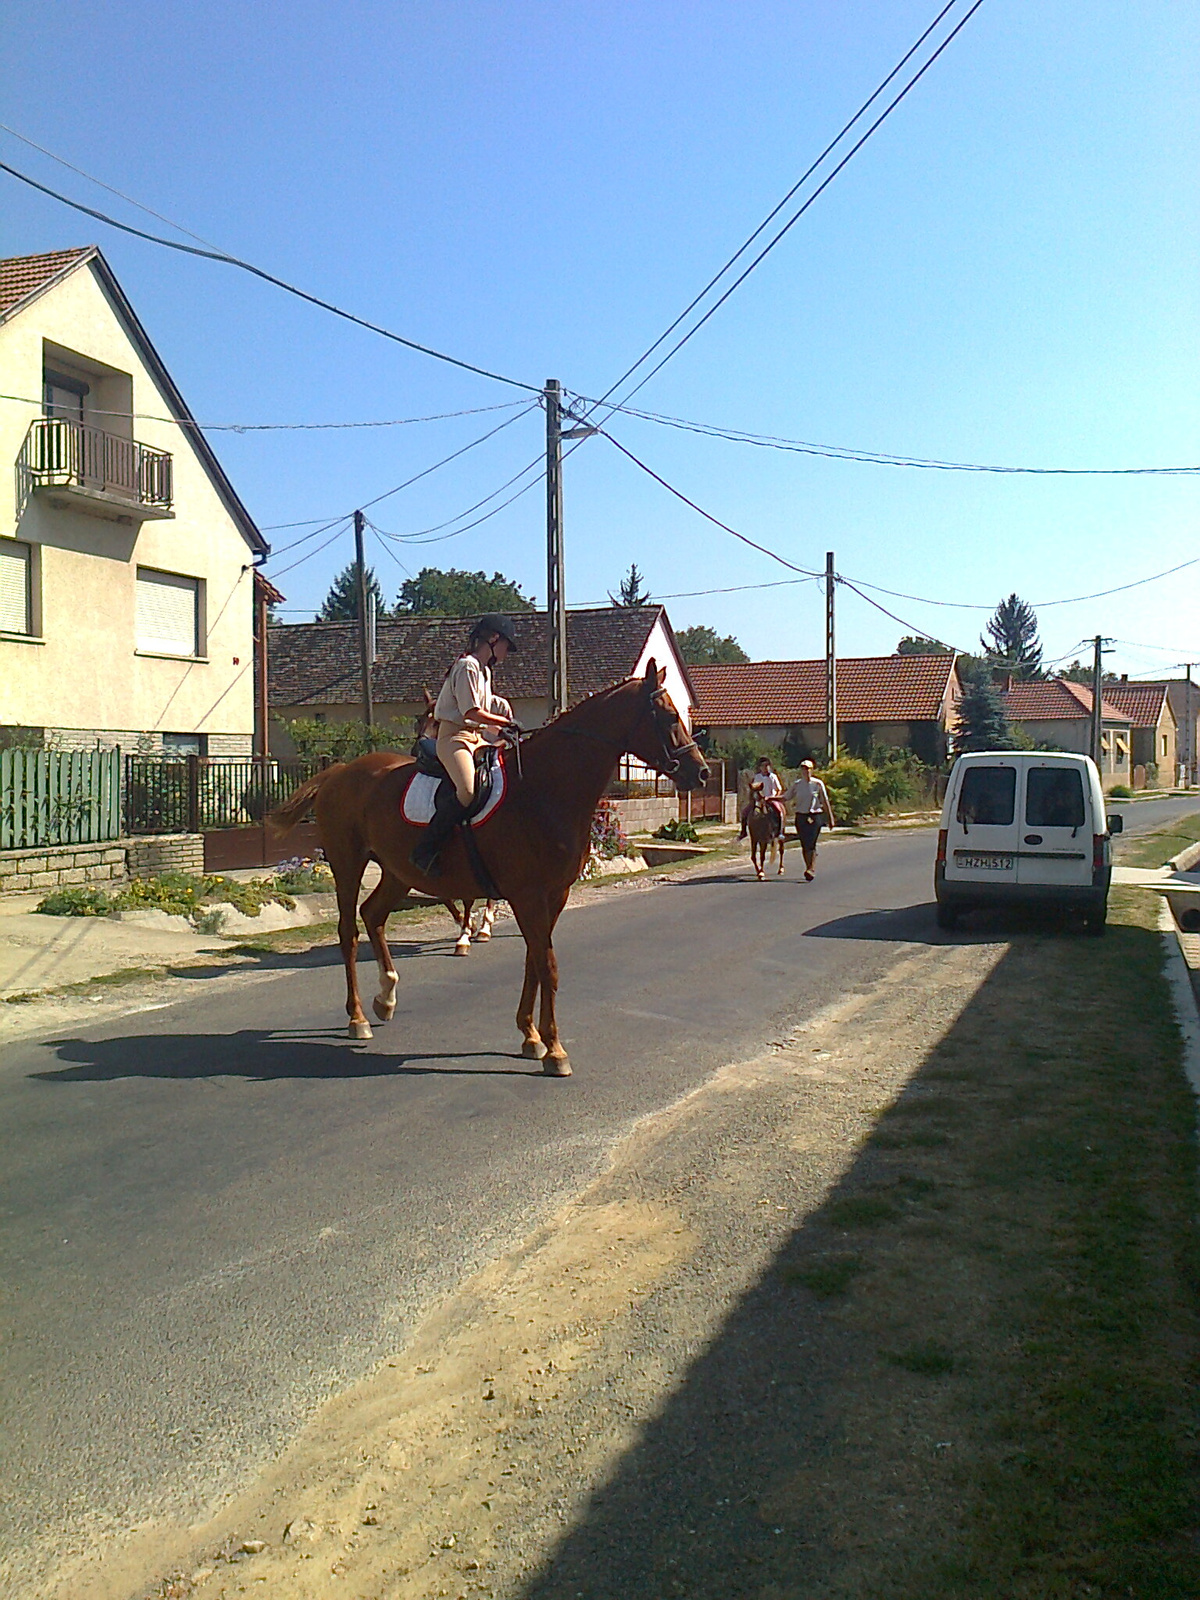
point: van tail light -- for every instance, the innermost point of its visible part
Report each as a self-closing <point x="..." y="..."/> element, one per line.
<point x="1098" y="851"/>
<point x="941" y="849"/>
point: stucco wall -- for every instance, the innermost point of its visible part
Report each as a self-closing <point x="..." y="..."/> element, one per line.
<point x="85" y="672"/>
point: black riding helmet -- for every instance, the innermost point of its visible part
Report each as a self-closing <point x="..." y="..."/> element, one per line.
<point x="495" y="622"/>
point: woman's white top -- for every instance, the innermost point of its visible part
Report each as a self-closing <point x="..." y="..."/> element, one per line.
<point x="809" y="796"/>
<point x="768" y="783"/>
<point x="468" y="687"/>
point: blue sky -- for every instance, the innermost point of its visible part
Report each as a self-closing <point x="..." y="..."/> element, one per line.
<point x="1007" y="273"/>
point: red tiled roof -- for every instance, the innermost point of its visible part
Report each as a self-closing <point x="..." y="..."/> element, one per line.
<point x="1142" y="703"/>
<point x="758" y="694"/>
<point x="21" y="276"/>
<point x="1055" y="700"/>
<point x="317" y="663"/>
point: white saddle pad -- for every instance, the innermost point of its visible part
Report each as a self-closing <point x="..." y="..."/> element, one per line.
<point x="416" y="805"/>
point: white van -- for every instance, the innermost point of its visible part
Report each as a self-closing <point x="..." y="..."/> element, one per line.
<point x="1024" y="828"/>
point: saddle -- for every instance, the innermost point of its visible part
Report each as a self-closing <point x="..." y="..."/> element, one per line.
<point x="487" y="771"/>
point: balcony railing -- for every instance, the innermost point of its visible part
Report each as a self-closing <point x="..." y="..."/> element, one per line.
<point x="61" y="454"/>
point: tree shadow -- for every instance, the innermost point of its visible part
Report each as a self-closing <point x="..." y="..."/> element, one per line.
<point x="263" y="1056"/>
<point x="813" y="1449"/>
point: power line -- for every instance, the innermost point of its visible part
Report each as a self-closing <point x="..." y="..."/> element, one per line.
<point x="422" y="537"/>
<point x="816" y="194"/>
<point x="343" y="524"/>
<point x="276" y="427"/>
<point x="766" y="441"/>
<point x="269" y="277"/>
<point x="1038" y="605"/>
<point x="769" y="218"/>
<point x="679" y="495"/>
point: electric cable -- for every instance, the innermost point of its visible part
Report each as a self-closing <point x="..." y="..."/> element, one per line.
<point x="878" y="458"/>
<point x="1038" y="605"/>
<point x="858" y="115"/>
<point x="278" y="427"/>
<point x="344" y="524"/>
<point x="269" y="277"/>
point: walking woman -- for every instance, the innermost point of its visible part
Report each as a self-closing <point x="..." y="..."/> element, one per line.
<point x="811" y="800"/>
<point x="465" y="715"/>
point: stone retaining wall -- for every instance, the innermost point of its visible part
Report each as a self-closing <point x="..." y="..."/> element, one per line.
<point x="643" y="816"/>
<point x="56" y="866"/>
<point x="152" y="853"/>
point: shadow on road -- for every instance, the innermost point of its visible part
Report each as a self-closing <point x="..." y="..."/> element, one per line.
<point x="868" y="1419"/>
<point x="263" y="1056"/>
<point x="916" y="925"/>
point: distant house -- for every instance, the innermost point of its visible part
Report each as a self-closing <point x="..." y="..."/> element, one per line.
<point x="905" y="701"/>
<point x="126" y="557"/>
<point x="1058" y="713"/>
<point x="1183" y="698"/>
<point x="1152" y="722"/>
<point x="314" y="670"/>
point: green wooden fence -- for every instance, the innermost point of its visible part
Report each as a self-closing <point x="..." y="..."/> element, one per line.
<point x="50" y="797"/>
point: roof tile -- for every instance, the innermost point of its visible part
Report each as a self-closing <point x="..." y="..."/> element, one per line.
<point x="776" y="693"/>
<point x="21" y="276"/>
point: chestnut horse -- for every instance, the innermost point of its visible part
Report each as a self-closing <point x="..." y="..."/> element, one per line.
<point x="534" y="846"/>
<point x="765" y="825"/>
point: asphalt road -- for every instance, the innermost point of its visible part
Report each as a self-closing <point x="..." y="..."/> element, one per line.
<point x="217" y="1214"/>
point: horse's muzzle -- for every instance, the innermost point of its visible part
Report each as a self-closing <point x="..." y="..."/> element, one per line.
<point x="695" y="778"/>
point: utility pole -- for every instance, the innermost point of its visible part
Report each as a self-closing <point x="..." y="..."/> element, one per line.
<point x="364" y="644"/>
<point x="830" y="664"/>
<point x="1097" y="688"/>
<point x="556" y="594"/>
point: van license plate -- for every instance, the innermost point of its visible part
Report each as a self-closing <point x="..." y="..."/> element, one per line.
<point x="984" y="863"/>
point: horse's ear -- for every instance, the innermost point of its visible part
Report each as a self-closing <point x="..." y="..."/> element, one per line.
<point x="652" y="678"/>
<point x="662" y="675"/>
<point x="430" y="702"/>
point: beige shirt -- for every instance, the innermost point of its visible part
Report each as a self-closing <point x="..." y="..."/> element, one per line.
<point x="468" y="687"/>
<point x="809" y="796"/>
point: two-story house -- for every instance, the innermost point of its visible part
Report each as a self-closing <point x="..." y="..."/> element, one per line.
<point x="126" y="557"/>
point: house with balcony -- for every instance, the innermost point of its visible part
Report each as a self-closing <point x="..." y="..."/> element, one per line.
<point x="126" y="557"/>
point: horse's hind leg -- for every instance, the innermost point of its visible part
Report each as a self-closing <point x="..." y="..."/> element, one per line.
<point x="348" y="863"/>
<point x="486" y="919"/>
<point x="376" y="909"/>
<point x="462" y="945"/>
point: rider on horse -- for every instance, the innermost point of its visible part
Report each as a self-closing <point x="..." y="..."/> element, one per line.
<point x="464" y="710"/>
<point x="764" y="786"/>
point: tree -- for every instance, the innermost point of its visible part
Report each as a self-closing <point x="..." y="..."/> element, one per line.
<point x="704" y="647"/>
<point x="1011" y="638"/>
<point x="632" y="591"/>
<point x="913" y="644"/>
<point x="982" y="719"/>
<point x="459" y="594"/>
<point x="341" y="603"/>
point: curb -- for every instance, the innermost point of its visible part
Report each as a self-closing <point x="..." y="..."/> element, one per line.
<point x="1184" y="998"/>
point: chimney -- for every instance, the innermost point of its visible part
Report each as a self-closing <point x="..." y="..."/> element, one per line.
<point x="1124" y="677"/>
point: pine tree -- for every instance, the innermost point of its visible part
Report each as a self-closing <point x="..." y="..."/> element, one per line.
<point x="982" y="720"/>
<point x="632" y="591"/>
<point x="1012" y="639"/>
<point x="341" y="603"/>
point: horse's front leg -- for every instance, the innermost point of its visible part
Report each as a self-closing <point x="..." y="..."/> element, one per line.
<point x="462" y="945"/>
<point x="376" y="909"/>
<point x="537" y="925"/>
<point x="532" y="1047"/>
<point x="348" y="876"/>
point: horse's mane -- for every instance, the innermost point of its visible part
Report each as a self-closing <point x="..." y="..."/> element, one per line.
<point x="573" y="711"/>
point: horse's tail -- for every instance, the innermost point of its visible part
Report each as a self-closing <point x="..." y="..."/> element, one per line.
<point x="287" y="816"/>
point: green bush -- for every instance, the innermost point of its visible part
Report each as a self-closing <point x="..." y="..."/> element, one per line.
<point x="302" y="876"/>
<point x="745" y="752"/>
<point x="1120" y="791"/>
<point x="75" y="902"/>
<point x="678" y="829"/>
<point x="343" y="741"/>
<point x="852" y="785"/>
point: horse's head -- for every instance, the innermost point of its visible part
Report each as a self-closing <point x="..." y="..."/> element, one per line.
<point x="426" y="719"/>
<point x="659" y="737"/>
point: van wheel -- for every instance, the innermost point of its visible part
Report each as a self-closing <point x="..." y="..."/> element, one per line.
<point x="1095" y="923"/>
<point x="947" y="915"/>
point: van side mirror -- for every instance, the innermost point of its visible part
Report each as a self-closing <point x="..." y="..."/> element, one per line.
<point x="1116" y="823"/>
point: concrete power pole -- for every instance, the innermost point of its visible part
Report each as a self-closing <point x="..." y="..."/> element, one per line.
<point x="830" y="664"/>
<point x="364" y="630"/>
<point x="556" y="596"/>
<point x="1097" y="692"/>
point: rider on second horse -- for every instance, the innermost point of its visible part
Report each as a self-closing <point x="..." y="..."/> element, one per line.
<point x="464" y="710"/>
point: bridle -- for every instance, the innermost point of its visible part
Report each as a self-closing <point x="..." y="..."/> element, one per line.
<point x="670" y="753"/>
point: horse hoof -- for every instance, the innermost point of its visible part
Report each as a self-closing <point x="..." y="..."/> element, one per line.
<point x="359" y="1030"/>
<point x="384" y="1013"/>
<point x="483" y="935"/>
<point x="462" y="947"/>
<point x="556" y="1067"/>
<point x="533" y="1050"/>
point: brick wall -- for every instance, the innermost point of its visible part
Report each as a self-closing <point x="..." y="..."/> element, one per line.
<point x="152" y="853"/>
<point x="55" y="866"/>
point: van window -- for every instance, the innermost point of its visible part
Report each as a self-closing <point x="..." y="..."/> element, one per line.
<point x="988" y="796"/>
<point x="1053" y="798"/>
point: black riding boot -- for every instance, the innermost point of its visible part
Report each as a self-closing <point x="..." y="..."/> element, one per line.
<point x="448" y="812"/>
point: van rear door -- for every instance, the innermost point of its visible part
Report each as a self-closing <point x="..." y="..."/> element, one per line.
<point x="1056" y="838"/>
<point x="983" y="828"/>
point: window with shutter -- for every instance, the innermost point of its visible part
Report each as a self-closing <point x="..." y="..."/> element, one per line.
<point x="15" y="607"/>
<point x="168" y="609"/>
